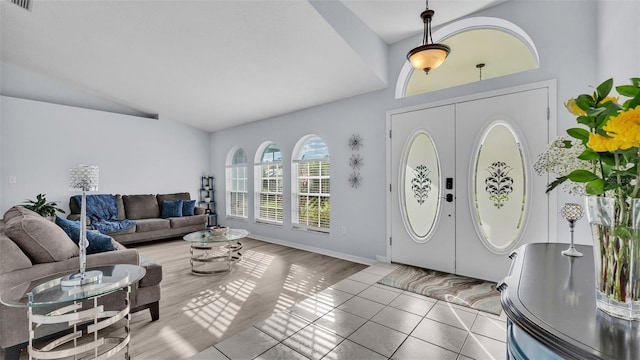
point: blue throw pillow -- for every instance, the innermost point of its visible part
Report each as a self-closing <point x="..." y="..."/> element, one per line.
<point x="171" y="208"/>
<point x="188" y="207"/>
<point x="98" y="242"/>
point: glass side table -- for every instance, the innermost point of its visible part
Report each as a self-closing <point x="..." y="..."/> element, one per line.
<point x="208" y="248"/>
<point x="70" y="311"/>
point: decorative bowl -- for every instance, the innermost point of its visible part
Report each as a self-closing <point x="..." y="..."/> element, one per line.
<point x="219" y="231"/>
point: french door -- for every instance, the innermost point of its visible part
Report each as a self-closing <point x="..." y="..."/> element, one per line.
<point x="462" y="190"/>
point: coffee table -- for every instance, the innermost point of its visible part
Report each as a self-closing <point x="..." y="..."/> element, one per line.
<point x="208" y="248"/>
<point x="69" y="310"/>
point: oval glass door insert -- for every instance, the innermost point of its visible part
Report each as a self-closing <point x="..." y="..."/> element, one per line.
<point x="499" y="188"/>
<point x="419" y="186"/>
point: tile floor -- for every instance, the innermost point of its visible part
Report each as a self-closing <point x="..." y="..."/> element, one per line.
<point x="359" y="319"/>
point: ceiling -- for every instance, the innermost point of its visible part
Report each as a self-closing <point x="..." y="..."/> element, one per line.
<point x="215" y="64"/>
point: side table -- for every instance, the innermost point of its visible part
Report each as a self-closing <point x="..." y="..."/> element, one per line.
<point x="208" y="248"/>
<point x="70" y="311"/>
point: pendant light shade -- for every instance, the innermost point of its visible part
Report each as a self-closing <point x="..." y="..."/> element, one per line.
<point x="428" y="56"/>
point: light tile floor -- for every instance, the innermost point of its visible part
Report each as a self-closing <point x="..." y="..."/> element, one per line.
<point x="359" y="319"/>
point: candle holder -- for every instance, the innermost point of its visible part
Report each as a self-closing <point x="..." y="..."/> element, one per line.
<point x="572" y="213"/>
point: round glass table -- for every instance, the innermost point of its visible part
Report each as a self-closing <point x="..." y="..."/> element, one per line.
<point x="70" y="308"/>
<point x="209" y="248"/>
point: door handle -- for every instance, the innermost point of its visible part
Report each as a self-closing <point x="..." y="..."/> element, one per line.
<point x="449" y="197"/>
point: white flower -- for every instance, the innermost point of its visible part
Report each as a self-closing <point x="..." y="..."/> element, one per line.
<point x="561" y="158"/>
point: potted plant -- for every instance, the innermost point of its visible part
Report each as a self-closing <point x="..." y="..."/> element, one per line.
<point x="42" y="207"/>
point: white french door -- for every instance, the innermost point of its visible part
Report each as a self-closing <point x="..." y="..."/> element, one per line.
<point x="462" y="190"/>
<point x="423" y="158"/>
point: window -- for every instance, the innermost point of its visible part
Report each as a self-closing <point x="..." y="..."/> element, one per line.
<point x="268" y="170"/>
<point x="237" y="183"/>
<point x="311" y="192"/>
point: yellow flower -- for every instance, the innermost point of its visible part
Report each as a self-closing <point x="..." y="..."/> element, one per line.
<point x="609" y="98"/>
<point x="573" y="107"/>
<point x="623" y="131"/>
<point x="599" y="143"/>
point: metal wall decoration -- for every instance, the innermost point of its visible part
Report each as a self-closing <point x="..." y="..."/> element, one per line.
<point x="421" y="183"/>
<point x="355" y="161"/>
<point x="499" y="184"/>
<point x="355" y="179"/>
<point x="355" y="142"/>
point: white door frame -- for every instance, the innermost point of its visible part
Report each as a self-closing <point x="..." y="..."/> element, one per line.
<point x="549" y="84"/>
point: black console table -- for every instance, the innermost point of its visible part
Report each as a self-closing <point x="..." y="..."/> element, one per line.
<point x="549" y="301"/>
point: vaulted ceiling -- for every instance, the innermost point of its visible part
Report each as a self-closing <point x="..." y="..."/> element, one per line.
<point x="215" y="64"/>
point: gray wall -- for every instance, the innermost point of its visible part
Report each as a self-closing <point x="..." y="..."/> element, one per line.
<point x="563" y="56"/>
<point x="40" y="142"/>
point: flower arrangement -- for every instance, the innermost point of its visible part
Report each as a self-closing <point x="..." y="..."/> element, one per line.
<point x="602" y="159"/>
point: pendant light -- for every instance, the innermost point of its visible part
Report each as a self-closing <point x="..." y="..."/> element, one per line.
<point x="428" y="56"/>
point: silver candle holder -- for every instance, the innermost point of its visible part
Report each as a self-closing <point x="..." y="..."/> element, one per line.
<point x="571" y="212"/>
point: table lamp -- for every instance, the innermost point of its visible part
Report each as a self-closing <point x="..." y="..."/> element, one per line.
<point x="85" y="178"/>
<point x="572" y="213"/>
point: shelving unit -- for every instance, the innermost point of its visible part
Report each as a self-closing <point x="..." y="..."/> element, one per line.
<point x="206" y="199"/>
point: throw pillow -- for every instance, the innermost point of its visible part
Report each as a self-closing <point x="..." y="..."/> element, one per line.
<point x="40" y="239"/>
<point x="98" y="242"/>
<point x="171" y="208"/>
<point x="188" y="207"/>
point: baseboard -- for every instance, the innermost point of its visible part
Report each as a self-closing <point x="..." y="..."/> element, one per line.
<point x="383" y="259"/>
<point x="335" y="254"/>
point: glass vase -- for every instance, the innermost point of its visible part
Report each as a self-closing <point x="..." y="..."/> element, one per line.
<point x="615" y="228"/>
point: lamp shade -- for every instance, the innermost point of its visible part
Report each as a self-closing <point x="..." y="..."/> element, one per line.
<point x="84" y="177"/>
<point x="427" y="57"/>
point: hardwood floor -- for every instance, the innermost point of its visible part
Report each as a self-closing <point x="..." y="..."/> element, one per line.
<point x="199" y="311"/>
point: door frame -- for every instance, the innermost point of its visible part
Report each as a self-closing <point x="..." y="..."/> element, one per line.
<point x="551" y="85"/>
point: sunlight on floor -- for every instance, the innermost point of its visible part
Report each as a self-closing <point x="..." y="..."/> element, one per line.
<point x="215" y="309"/>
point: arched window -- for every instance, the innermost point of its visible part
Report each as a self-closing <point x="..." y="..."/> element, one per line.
<point x="311" y="175"/>
<point x="268" y="186"/>
<point x="236" y="183"/>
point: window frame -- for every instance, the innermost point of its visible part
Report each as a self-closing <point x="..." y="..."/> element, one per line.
<point x="259" y="167"/>
<point x="232" y="169"/>
<point x="298" y="161"/>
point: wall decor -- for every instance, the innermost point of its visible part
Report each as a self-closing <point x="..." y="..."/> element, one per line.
<point x="355" y="142"/>
<point x="356" y="161"/>
<point x="355" y="179"/>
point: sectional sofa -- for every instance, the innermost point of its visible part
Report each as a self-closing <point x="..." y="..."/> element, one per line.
<point x="146" y="211"/>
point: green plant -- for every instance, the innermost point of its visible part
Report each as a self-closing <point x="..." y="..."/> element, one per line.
<point x="42" y="207"/>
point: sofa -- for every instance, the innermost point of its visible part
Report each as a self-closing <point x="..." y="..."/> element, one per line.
<point x="32" y="247"/>
<point x="146" y="210"/>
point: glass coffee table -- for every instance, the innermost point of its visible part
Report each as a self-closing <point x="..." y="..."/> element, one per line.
<point x="209" y="249"/>
<point x="66" y="306"/>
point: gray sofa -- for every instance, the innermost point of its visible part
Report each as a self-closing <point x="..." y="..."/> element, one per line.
<point x="32" y="247"/>
<point x="145" y="210"/>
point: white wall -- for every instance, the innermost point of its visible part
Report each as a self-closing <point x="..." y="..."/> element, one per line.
<point x="40" y="142"/>
<point x="563" y="56"/>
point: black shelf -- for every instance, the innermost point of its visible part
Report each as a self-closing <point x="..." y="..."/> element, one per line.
<point x="206" y="199"/>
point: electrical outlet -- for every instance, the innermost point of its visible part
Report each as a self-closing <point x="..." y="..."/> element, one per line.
<point x="344" y="230"/>
<point x="12" y="179"/>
